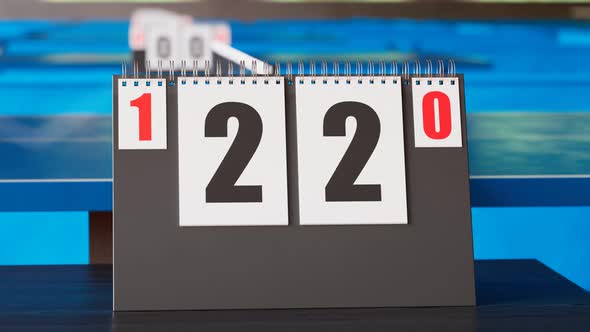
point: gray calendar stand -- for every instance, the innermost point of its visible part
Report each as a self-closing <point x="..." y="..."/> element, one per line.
<point x="161" y="266"/>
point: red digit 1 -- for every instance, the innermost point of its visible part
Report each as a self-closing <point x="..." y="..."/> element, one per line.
<point x="144" y="104"/>
<point x="429" y="115"/>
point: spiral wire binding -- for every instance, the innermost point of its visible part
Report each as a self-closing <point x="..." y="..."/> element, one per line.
<point x="159" y="69"/>
<point x="171" y="72"/>
<point x="277" y="72"/>
<point x="183" y="71"/>
<point x="135" y="70"/>
<point x="136" y="73"/>
<point x="452" y="69"/>
<point x="428" y="71"/>
<point x="347" y="71"/>
<point x="267" y="72"/>
<point x="371" y="71"/>
<point x="289" y="72"/>
<point x="242" y="71"/>
<point x="301" y="71"/>
<point x="417" y="68"/>
<point x="405" y="72"/>
<point x="195" y="70"/>
<point x="375" y="71"/>
<point x="394" y="68"/>
<point x="254" y="70"/>
<point x="218" y="72"/>
<point x="207" y="71"/>
<point x="382" y="71"/>
<point x="230" y="72"/>
<point x="124" y="73"/>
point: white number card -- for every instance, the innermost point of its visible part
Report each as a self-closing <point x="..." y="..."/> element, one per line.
<point x="142" y="114"/>
<point x="437" y="112"/>
<point x="350" y="144"/>
<point x="232" y="152"/>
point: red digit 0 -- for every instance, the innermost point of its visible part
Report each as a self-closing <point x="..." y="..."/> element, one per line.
<point x="144" y="104"/>
<point x="429" y="115"/>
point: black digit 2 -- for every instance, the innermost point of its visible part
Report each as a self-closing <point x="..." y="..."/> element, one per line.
<point x="341" y="187"/>
<point x="222" y="188"/>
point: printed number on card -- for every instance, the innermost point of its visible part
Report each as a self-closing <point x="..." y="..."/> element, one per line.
<point x="142" y="114"/>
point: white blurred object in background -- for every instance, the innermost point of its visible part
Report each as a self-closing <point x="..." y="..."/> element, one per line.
<point x="166" y="36"/>
<point x="147" y="17"/>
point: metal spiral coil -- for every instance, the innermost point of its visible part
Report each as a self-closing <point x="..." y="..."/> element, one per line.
<point x="375" y="71"/>
<point x="171" y="71"/>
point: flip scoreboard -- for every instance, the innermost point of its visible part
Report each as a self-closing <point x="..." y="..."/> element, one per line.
<point x="296" y="191"/>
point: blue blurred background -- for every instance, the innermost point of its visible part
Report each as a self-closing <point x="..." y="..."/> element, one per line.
<point x="527" y="88"/>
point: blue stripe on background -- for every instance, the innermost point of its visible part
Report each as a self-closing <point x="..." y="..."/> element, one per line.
<point x="39" y="238"/>
<point x="56" y="196"/>
<point x="97" y="196"/>
<point x="556" y="236"/>
<point x="506" y="192"/>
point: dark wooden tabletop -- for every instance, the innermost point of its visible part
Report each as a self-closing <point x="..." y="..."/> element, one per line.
<point x="513" y="295"/>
